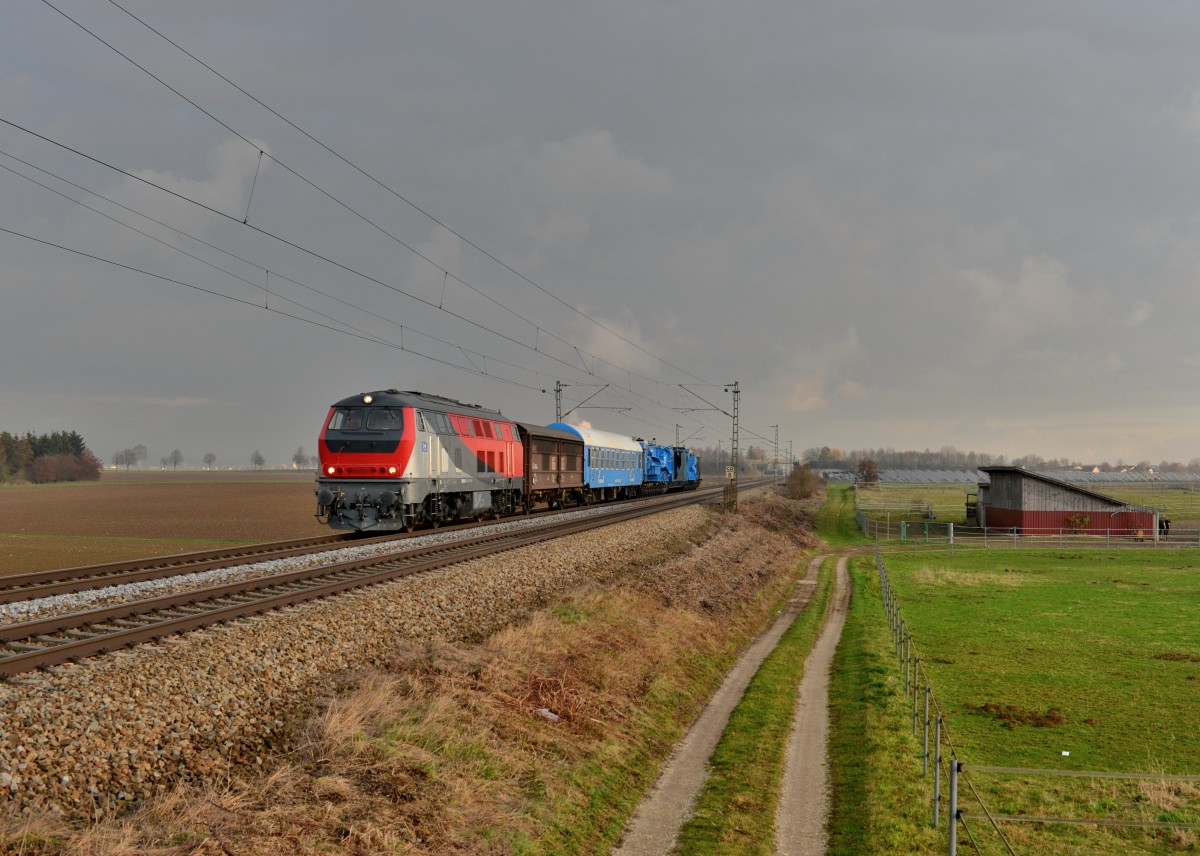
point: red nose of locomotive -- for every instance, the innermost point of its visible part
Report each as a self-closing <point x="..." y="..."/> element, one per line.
<point x="364" y="450"/>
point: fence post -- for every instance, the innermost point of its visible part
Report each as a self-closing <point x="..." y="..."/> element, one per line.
<point x="953" y="819"/>
<point x="937" y="770"/>
<point x="925" y="752"/>
<point x="951" y="530"/>
<point x="916" y="677"/>
<point x="907" y="660"/>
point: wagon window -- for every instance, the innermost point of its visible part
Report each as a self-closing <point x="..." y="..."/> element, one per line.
<point x="420" y="420"/>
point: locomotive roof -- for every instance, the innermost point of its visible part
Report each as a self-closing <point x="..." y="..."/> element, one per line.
<point x="423" y="400"/>
<point x="606" y="439"/>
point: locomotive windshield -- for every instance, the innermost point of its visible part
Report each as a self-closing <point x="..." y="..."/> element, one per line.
<point x="374" y="418"/>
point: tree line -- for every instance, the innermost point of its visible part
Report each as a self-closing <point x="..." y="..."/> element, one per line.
<point x="40" y="458"/>
<point x="950" y="458"/>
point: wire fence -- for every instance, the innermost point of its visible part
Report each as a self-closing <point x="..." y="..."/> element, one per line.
<point x="901" y="526"/>
<point x="927" y="712"/>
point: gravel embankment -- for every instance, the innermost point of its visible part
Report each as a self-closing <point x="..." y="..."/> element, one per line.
<point x="31" y="610"/>
<point x="121" y="727"/>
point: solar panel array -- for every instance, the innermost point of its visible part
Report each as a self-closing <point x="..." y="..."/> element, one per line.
<point x="932" y="477"/>
<point x="1132" y="477"/>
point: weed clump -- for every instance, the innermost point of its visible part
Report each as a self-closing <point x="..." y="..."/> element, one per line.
<point x="1012" y="715"/>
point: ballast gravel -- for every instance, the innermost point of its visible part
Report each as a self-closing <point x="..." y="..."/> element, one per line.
<point x="44" y="607"/>
<point x="116" y="729"/>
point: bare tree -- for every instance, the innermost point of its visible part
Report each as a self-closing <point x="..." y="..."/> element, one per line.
<point x="301" y="459"/>
<point x="163" y="461"/>
<point x="257" y="459"/>
<point x="868" y="472"/>
<point x="176" y="459"/>
<point x="209" y="459"/>
<point x="140" y="453"/>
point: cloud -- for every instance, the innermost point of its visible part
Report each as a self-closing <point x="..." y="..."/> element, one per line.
<point x="15" y="90"/>
<point x="230" y="165"/>
<point x="1140" y="314"/>
<point x="1009" y="312"/>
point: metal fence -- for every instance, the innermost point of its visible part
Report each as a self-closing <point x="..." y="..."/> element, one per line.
<point x="919" y="687"/>
<point x="909" y="530"/>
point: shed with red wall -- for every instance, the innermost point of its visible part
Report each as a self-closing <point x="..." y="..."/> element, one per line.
<point x="1034" y="503"/>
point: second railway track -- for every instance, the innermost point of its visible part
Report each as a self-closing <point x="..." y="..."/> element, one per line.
<point x="66" y="637"/>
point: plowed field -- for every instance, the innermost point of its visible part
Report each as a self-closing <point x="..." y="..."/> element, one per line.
<point x="138" y="514"/>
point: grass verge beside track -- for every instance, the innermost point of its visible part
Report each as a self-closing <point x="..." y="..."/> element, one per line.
<point x="735" y="812"/>
<point x="879" y="803"/>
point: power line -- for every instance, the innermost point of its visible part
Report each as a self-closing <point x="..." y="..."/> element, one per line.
<point x="369" y="337"/>
<point x="255" y="285"/>
<point x="348" y="332"/>
<point x="347" y="207"/>
<point x="397" y="194"/>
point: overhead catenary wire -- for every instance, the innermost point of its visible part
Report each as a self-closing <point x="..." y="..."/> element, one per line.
<point x="263" y="268"/>
<point x="352" y="210"/>
<point x="398" y="195"/>
<point x="338" y="329"/>
<point x="229" y="273"/>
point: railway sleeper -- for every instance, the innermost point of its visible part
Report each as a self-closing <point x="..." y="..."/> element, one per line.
<point x="24" y="647"/>
<point x="74" y="633"/>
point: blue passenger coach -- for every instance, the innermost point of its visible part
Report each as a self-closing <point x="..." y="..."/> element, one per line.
<point x="613" y="463"/>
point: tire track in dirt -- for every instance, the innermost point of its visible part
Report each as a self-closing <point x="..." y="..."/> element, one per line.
<point x="804" y="796"/>
<point x="656" y="823"/>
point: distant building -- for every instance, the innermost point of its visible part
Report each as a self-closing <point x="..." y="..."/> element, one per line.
<point x="1036" y="503"/>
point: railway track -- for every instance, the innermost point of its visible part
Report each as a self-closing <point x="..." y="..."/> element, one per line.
<point x="68" y="637"/>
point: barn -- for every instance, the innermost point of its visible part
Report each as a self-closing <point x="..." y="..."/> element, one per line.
<point x="1034" y="503"/>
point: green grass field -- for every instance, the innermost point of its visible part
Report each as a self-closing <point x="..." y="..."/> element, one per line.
<point x="1036" y="653"/>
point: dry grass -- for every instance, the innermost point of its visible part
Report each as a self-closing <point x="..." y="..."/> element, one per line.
<point x="539" y="740"/>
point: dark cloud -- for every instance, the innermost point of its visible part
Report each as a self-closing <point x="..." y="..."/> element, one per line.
<point x="917" y="225"/>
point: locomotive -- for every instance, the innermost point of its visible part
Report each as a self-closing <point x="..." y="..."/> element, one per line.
<point x="394" y="460"/>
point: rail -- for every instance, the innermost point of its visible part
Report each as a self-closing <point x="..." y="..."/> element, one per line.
<point x="71" y="636"/>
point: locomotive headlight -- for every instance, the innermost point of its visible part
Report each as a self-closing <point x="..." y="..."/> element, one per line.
<point x="367" y="399"/>
<point x="391" y="471"/>
<point x="330" y="470"/>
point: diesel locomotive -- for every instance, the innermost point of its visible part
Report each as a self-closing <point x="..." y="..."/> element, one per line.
<point x="394" y="460"/>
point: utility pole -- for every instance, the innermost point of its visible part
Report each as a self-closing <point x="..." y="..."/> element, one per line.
<point x="558" y="388"/>
<point x="677" y="427"/>
<point x="733" y="387"/>
<point x="775" y="462"/>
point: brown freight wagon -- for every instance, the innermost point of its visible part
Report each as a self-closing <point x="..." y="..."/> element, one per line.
<point x="553" y="465"/>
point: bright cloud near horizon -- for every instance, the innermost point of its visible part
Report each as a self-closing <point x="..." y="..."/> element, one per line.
<point x="914" y="225"/>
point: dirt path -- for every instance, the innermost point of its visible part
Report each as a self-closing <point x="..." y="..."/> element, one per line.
<point x="804" y="796"/>
<point x="656" y="823"/>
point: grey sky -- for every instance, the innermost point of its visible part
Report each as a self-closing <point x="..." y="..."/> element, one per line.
<point x="906" y="225"/>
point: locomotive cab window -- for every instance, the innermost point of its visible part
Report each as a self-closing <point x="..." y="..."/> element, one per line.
<point x="346" y="419"/>
<point x="384" y="419"/>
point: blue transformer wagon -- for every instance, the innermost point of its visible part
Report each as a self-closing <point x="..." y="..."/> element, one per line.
<point x="660" y="468"/>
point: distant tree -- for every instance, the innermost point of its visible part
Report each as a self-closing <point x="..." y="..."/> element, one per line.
<point x="176" y="459"/>
<point x="209" y="459"/>
<point x="257" y="459"/>
<point x="301" y="460"/>
<point x="140" y="454"/>
<point x="163" y="461"/>
<point x="803" y="482"/>
<point x="18" y="452"/>
<point x="64" y="467"/>
<point x="868" y="471"/>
